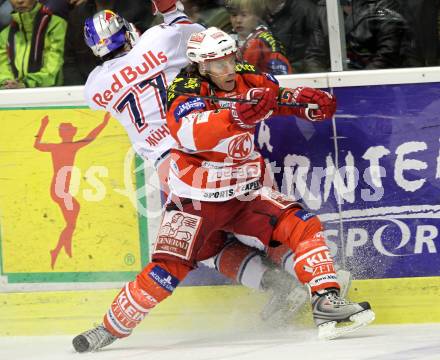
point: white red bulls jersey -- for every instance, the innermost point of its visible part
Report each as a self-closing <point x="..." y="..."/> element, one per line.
<point x="133" y="87"/>
<point x="215" y="159"/>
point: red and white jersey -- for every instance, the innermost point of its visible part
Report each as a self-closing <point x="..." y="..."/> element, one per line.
<point x="215" y="159"/>
<point x="133" y="87"/>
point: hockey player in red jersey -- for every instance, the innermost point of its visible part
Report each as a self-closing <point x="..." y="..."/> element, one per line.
<point x="257" y="44"/>
<point x="113" y="39"/>
<point x="215" y="175"/>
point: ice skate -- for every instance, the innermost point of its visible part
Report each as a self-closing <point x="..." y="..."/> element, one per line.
<point x="288" y="296"/>
<point x="93" y="340"/>
<point x="334" y="316"/>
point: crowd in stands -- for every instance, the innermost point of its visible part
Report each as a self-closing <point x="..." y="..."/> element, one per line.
<point x="41" y="42"/>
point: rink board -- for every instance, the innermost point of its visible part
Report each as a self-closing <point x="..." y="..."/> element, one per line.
<point x="372" y="174"/>
<point x="389" y="242"/>
<point x="103" y="183"/>
<point x="395" y="301"/>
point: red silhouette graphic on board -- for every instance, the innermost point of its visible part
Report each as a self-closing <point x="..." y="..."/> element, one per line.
<point x="63" y="158"/>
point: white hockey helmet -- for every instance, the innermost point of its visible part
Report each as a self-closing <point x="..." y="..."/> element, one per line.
<point x="210" y="44"/>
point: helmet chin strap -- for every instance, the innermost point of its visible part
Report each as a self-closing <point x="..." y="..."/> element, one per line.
<point x="131" y="40"/>
<point x="132" y="35"/>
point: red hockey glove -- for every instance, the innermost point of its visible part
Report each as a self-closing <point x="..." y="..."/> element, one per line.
<point x="325" y="101"/>
<point x="247" y="115"/>
<point x="163" y="6"/>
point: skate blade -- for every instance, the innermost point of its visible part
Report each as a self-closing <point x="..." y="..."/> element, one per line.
<point x="333" y="330"/>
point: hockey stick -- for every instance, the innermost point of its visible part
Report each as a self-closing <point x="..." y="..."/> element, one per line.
<point x="219" y="98"/>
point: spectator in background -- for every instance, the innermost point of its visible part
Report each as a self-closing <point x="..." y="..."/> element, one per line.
<point x="33" y="31"/>
<point x="424" y="17"/>
<point x="292" y="23"/>
<point x="5" y="13"/>
<point x="79" y="60"/>
<point x="377" y="37"/>
<point x="62" y="7"/>
<point x="256" y="43"/>
<point x="208" y="13"/>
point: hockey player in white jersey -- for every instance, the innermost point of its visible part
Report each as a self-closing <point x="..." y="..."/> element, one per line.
<point x="131" y="85"/>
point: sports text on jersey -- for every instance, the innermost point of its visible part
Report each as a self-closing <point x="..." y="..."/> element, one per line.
<point x="128" y="75"/>
<point x="230" y="193"/>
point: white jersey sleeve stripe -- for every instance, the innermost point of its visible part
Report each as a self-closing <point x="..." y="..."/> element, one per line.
<point x="185" y="134"/>
<point x="310" y="253"/>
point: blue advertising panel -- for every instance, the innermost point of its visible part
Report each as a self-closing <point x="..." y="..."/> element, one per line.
<point x="390" y="135"/>
<point x="372" y="174"/>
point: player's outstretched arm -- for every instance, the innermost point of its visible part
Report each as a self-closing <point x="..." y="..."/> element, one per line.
<point x="38" y="144"/>
<point x="247" y="115"/>
<point x="326" y="103"/>
<point x="192" y="123"/>
<point x="165" y="6"/>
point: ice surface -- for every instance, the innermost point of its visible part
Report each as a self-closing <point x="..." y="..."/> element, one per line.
<point x="377" y="342"/>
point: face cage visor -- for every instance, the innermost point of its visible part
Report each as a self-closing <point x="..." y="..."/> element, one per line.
<point x="220" y="67"/>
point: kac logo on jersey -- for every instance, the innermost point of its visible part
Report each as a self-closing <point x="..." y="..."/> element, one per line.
<point x="241" y="147"/>
<point x="164" y="278"/>
<point x="188" y="106"/>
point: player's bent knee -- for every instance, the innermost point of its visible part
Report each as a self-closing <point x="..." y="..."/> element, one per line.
<point x="299" y="229"/>
<point x="231" y="258"/>
<point x="241" y="263"/>
<point x="313" y="264"/>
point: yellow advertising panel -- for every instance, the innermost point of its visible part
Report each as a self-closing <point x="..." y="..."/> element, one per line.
<point x="66" y="213"/>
